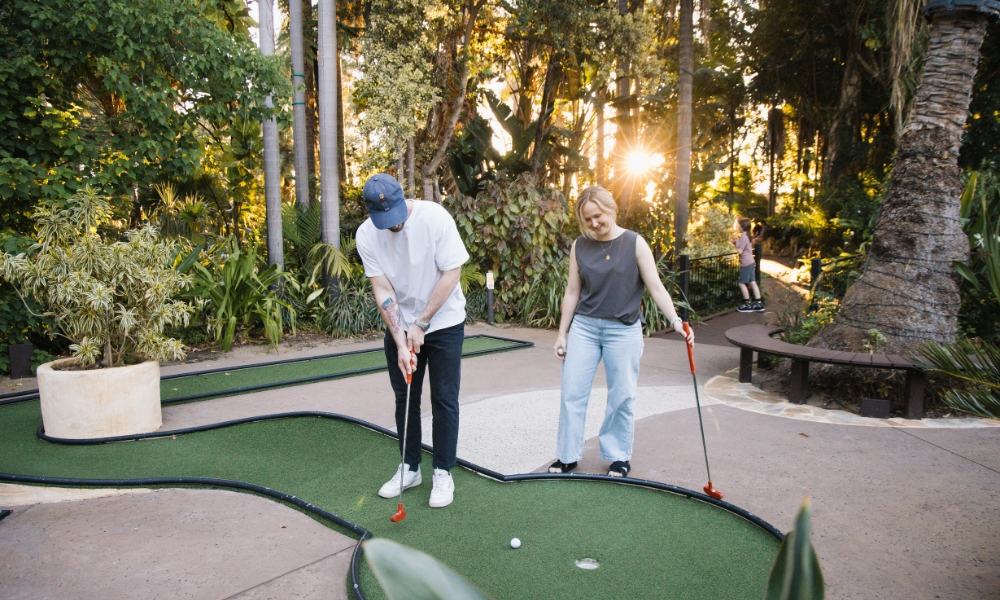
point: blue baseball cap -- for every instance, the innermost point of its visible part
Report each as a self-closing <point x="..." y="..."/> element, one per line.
<point x="384" y="201"/>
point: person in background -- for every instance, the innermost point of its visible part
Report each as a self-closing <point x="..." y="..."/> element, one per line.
<point x="609" y="269"/>
<point x="748" y="275"/>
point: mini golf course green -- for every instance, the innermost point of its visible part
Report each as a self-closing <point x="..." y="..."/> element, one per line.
<point x="242" y="379"/>
<point x="649" y="543"/>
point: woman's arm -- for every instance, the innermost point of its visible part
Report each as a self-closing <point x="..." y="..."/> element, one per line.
<point x="660" y="295"/>
<point x="570" y="300"/>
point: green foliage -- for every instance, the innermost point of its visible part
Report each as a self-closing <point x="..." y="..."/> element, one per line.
<point x="981" y="305"/>
<point x="796" y="574"/>
<point x="112" y="299"/>
<point x="352" y="310"/>
<point x="800" y="327"/>
<point x="543" y="302"/>
<point x="874" y="340"/>
<point x="516" y="230"/>
<point x="711" y="231"/>
<point x="408" y="574"/>
<point x="976" y="368"/>
<point x="234" y="293"/>
<point x="21" y="320"/>
<point x="119" y="94"/>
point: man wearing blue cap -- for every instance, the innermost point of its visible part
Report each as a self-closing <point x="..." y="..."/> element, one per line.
<point x="413" y="255"/>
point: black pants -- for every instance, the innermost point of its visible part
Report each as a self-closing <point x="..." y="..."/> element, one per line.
<point x="442" y="350"/>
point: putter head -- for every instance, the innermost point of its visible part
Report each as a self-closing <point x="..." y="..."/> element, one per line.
<point x="400" y="514"/>
<point x="709" y="490"/>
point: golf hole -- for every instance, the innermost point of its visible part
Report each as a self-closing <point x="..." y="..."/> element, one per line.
<point x="587" y="564"/>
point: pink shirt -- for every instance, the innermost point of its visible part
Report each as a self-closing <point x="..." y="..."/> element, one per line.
<point x="745" y="250"/>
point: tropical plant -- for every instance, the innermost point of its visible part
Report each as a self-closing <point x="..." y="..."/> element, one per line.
<point x="112" y="299"/>
<point x="983" y="270"/>
<point x="976" y="365"/>
<point x="796" y="574"/>
<point x="922" y="202"/>
<point x="711" y="231"/>
<point x="543" y="302"/>
<point x="516" y="230"/>
<point x="800" y="326"/>
<point x="235" y="292"/>
<point x="408" y="574"/>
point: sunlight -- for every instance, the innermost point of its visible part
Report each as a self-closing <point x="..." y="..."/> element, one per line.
<point x="638" y="162"/>
<point x="641" y="161"/>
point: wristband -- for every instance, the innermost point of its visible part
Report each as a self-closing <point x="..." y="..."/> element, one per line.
<point x="675" y="320"/>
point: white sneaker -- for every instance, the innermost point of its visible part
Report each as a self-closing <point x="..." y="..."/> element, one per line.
<point x="443" y="491"/>
<point x="391" y="488"/>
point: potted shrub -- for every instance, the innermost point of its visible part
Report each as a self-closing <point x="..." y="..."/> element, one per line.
<point x="112" y="300"/>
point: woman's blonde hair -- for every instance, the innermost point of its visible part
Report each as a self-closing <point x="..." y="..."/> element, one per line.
<point x="600" y="196"/>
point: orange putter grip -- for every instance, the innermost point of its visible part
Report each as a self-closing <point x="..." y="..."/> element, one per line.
<point x="413" y="365"/>
<point x="687" y="331"/>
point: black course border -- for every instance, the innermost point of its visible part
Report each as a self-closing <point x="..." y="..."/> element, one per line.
<point x="514" y="345"/>
<point x="4" y="514"/>
<point x="363" y="533"/>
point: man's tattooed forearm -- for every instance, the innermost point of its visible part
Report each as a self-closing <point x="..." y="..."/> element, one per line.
<point x="392" y="316"/>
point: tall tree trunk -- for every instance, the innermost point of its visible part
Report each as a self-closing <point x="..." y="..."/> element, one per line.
<point x="624" y="143"/>
<point x="548" y="104"/>
<point x="341" y="153"/>
<point x="682" y="176"/>
<point x="329" y="181"/>
<point x="601" y="175"/>
<point x="430" y="168"/>
<point x="411" y="175"/>
<point x="300" y="135"/>
<point x="312" y="97"/>
<point x="909" y="291"/>
<point x="732" y="159"/>
<point x="843" y="126"/>
<point x="272" y="161"/>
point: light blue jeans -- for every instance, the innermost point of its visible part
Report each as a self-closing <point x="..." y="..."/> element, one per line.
<point x="620" y="346"/>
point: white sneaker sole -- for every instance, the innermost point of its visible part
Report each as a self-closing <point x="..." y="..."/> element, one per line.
<point x="441" y="503"/>
<point x="394" y="492"/>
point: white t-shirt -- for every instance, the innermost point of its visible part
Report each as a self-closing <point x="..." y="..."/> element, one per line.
<point x="413" y="260"/>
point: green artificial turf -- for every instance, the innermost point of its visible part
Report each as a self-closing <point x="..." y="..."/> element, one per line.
<point x="650" y="544"/>
<point x="227" y="382"/>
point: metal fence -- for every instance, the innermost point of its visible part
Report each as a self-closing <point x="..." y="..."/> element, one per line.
<point x="710" y="283"/>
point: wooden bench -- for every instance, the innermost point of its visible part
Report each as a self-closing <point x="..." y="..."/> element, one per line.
<point x="757" y="338"/>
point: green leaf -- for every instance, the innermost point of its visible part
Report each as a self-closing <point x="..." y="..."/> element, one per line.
<point x="796" y="574"/>
<point x="407" y="574"/>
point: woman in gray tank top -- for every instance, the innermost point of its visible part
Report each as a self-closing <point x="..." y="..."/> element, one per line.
<point x="609" y="269"/>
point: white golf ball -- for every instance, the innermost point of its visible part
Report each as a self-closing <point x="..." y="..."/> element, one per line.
<point x="515" y="543"/>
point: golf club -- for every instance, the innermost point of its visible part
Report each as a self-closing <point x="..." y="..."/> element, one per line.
<point x="400" y="513"/>
<point x="690" y="346"/>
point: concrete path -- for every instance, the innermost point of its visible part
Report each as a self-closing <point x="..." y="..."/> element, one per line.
<point x="170" y="544"/>
<point x="897" y="514"/>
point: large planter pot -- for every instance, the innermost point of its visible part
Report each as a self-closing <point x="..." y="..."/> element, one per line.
<point x="97" y="403"/>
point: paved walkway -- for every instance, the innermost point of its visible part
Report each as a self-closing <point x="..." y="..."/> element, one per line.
<point x="897" y="514"/>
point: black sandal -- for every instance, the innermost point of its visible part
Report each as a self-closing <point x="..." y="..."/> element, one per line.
<point x="619" y="468"/>
<point x="561" y="467"/>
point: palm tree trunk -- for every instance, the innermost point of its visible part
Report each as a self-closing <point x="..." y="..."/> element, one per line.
<point x="682" y="170"/>
<point x="329" y="181"/>
<point x="909" y="290"/>
<point x="300" y="136"/>
<point x="272" y="162"/>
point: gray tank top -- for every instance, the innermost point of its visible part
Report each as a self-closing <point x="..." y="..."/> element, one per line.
<point x="611" y="287"/>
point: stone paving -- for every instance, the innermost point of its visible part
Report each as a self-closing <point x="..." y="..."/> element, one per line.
<point x="727" y="389"/>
